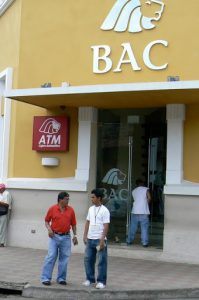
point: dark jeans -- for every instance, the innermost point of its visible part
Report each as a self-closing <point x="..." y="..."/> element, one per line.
<point x="91" y="254"/>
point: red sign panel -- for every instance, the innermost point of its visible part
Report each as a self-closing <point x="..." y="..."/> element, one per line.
<point x="50" y="134"/>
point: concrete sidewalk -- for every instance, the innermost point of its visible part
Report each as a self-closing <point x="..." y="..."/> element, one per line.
<point x="127" y="278"/>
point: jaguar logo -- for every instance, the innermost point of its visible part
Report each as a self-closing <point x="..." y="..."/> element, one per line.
<point x="127" y="15"/>
<point x="114" y="176"/>
<point x="50" y="126"/>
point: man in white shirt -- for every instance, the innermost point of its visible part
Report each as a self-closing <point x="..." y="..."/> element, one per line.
<point x="5" y="208"/>
<point x="95" y="232"/>
<point x="140" y="213"/>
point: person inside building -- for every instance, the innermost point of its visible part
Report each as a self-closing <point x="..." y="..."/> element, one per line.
<point x="140" y="213"/>
<point x="59" y="220"/>
<point x="95" y="239"/>
<point x="5" y="209"/>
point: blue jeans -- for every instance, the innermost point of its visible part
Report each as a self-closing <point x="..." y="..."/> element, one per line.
<point x="91" y="254"/>
<point x="143" y="220"/>
<point x="58" y="246"/>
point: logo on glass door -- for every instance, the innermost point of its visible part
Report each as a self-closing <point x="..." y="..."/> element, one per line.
<point x="115" y="177"/>
<point x="127" y="15"/>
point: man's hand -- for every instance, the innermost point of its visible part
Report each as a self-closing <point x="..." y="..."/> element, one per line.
<point x="75" y="241"/>
<point x="50" y="233"/>
<point x="102" y="244"/>
<point x="85" y="240"/>
<point x="86" y="232"/>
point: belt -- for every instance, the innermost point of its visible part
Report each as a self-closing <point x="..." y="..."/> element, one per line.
<point x="62" y="233"/>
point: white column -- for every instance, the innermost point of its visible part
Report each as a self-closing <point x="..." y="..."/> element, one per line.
<point x="87" y="139"/>
<point x="175" y="135"/>
<point x="5" y="118"/>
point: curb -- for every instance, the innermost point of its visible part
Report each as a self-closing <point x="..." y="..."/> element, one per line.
<point x="57" y="294"/>
<point x="12" y="287"/>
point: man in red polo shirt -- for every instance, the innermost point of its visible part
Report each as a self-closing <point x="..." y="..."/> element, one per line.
<point x="59" y="220"/>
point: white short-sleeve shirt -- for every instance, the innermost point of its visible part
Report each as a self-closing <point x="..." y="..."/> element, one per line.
<point x="97" y="216"/>
<point x="6" y="198"/>
<point x="140" y="205"/>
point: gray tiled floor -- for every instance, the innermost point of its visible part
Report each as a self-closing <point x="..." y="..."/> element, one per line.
<point x="24" y="265"/>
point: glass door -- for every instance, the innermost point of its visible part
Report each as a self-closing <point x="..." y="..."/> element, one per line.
<point x="156" y="136"/>
<point x="113" y="175"/>
<point x="131" y="145"/>
<point x="156" y="181"/>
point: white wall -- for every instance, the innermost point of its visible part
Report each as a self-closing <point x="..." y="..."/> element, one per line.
<point x="28" y="212"/>
<point x="181" y="234"/>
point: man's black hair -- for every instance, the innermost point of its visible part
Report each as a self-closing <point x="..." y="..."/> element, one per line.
<point x="98" y="193"/>
<point x="62" y="195"/>
<point x="139" y="182"/>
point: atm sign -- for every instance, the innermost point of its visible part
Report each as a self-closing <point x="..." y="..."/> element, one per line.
<point x="51" y="133"/>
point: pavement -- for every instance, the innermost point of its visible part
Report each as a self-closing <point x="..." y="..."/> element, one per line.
<point x="128" y="278"/>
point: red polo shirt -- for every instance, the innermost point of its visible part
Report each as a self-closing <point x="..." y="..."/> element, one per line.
<point x="61" y="221"/>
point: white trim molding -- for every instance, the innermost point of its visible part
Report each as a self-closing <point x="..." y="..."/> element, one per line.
<point x="5" y="83"/>
<point x="104" y="88"/>
<point x="175" y="134"/>
<point x="87" y="118"/>
<point x="186" y="188"/>
<point x="175" y="184"/>
<point x="4" y="4"/>
<point x="47" y="184"/>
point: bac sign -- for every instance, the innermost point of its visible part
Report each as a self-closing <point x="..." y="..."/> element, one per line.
<point x="51" y="134"/>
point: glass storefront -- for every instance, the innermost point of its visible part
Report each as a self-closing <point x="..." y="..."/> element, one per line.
<point x="132" y="145"/>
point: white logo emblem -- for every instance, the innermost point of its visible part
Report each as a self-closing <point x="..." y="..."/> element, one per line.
<point x="114" y="176"/>
<point x="127" y="15"/>
<point x="50" y="126"/>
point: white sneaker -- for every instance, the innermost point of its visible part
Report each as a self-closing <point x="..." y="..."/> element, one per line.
<point x="100" y="285"/>
<point x="86" y="283"/>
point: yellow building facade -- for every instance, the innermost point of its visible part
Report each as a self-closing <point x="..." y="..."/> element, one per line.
<point x="125" y="73"/>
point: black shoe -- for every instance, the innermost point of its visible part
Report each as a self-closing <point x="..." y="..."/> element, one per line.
<point x="129" y="244"/>
<point x="46" y="282"/>
<point x="145" y="246"/>
<point x="63" y="282"/>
